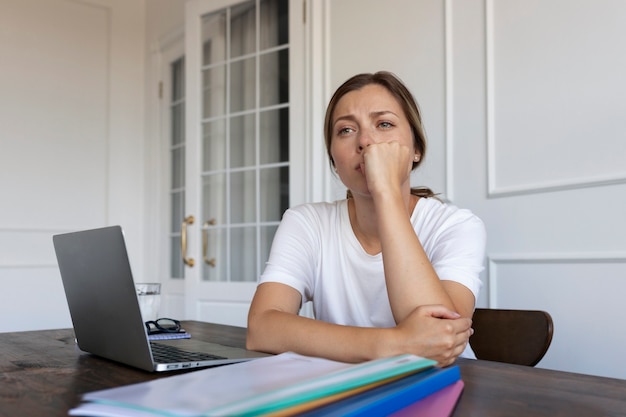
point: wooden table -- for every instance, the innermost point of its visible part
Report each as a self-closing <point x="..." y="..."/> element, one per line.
<point x="42" y="373"/>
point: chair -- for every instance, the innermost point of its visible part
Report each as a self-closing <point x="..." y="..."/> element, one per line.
<point x="513" y="336"/>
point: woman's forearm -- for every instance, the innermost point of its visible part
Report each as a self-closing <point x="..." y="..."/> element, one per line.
<point x="410" y="277"/>
<point x="276" y="331"/>
<point x="430" y="331"/>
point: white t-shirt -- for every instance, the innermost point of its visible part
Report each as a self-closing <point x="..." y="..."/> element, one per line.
<point x="316" y="252"/>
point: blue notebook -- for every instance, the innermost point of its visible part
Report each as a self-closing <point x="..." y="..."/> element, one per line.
<point x="391" y="397"/>
<point x="169" y="336"/>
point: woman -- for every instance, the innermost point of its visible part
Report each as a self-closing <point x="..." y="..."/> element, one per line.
<point x="389" y="270"/>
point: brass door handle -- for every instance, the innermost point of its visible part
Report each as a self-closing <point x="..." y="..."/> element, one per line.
<point x="205" y="243"/>
<point x="183" y="241"/>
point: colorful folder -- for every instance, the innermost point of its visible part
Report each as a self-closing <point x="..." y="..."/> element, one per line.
<point x="439" y="404"/>
<point x="264" y="386"/>
<point x="391" y="397"/>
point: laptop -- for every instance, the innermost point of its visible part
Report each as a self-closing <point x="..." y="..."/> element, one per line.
<point x="104" y="308"/>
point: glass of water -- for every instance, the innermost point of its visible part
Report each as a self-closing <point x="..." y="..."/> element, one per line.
<point x="149" y="296"/>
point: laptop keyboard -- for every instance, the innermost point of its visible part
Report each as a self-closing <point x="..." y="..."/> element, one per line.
<point x="170" y="354"/>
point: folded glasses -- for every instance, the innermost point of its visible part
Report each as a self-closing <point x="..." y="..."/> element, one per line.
<point x="163" y="325"/>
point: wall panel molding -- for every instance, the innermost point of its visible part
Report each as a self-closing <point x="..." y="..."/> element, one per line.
<point x="568" y="258"/>
<point x="582" y="291"/>
<point x="449" y="100"/>
<point x="592" y="178"/>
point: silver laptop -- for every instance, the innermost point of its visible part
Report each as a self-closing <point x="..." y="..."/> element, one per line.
<point x="105" y="312"/>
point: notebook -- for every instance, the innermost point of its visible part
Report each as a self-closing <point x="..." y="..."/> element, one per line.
<point x="104" y="308"/>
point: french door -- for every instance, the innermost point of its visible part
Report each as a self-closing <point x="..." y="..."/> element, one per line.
<point x="236" y="183"/>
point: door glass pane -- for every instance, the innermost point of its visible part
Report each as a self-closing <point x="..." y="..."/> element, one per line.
<point x="243" y="85"/>
<point x="243" y="197"/>
<point x="274" y="193"/>
<point x="214" y="37"/>
<point x="214" y="91"/>
<point x="266" y="238"/>
<point x="177" y="164"/>
<point x="245" y="143"/>
<point x="214" y="199"/>
<point x="176" y="264"/>
<point x="214" y="266"/>
<point x="178" y="167"/>
<point x="243" y="254"/>
<point x="242" y="143"/>
<point x="243" y="29"/>
<point x="274" y="27"/>
<point x="214" y="145"/>
<point x="178" y="103"/>
<point x="273" y="76"/>
<point x="178" y="209"/>
<point x="178" y="80"/>
<point x="274" y="136"/>
<point x="178" y="123"/>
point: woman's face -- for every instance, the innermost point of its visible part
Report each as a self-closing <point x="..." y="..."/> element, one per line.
<point x="363" y="117"/>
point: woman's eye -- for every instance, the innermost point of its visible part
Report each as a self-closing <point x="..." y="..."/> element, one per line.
<point x="385" y="125"/>
<point x="345" y="131"/>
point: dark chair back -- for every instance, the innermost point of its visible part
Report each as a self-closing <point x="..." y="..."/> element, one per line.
<point x="513" y="336"/>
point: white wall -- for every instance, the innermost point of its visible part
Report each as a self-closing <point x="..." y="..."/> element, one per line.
<point x="71" y="111"/>
<point x="539" y="84"/>
<point x="523" y="107"/>
<point x="406" y="37"/>
<point x="80" y="139"/>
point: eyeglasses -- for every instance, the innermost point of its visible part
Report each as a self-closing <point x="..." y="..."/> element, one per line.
<point x="163" y="325"/>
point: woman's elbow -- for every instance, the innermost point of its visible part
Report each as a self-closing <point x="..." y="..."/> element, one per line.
<point x="250" y="343"/>
<point x="252" y="332"/>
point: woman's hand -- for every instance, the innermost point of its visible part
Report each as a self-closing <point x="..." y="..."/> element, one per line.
<point x="434" y="332"/>
<point x="387" y="165"/>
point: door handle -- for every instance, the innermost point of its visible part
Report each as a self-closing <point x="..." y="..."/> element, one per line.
<point x="205" y="243"/>
<point x="183" y="241"/>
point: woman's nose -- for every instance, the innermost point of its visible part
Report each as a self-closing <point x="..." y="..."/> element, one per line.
<point x="366" y="138"/>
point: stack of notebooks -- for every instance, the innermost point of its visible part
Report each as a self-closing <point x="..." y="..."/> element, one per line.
<point x="289" y="385"/>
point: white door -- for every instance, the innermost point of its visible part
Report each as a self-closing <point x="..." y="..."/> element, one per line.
<point x="70" y="142"/>
<point x="239" y="126"/>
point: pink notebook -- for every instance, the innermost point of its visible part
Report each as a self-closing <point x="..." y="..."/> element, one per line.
<point x="439" y="404"/>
